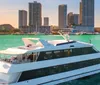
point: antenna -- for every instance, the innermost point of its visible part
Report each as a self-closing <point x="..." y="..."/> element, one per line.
<point x="36" y="27"/>
<point x="64" y="36"/>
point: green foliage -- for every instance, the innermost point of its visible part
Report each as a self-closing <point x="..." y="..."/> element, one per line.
<point x="4" y="30"/>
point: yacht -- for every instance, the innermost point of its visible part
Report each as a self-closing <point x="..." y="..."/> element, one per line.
<point x="48" y="62"/>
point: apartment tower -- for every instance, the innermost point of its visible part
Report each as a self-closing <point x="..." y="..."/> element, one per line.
<point x="70" y="19"/>
<point x="22" y="18"/>
<point x="62" y="16"/>
<point x="87" y="10"/>
<point x="35" y="14"/>
<point x="46" y="21"/>
<point x="80" y="16"/>
<point x="76" y="19"/>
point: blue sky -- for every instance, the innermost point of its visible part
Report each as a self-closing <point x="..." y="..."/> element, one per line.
<point x="9" y="10"/>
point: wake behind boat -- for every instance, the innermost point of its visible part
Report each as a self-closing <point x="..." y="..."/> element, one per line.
<point x="48" y="62"/>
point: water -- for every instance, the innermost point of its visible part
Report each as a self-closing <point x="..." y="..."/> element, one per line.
<point x="7" y="41"/>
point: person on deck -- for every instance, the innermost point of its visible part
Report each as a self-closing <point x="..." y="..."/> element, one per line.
<point x="31" y="57"/>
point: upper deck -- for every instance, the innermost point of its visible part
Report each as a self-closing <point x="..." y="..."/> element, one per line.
<point x="21" y="53"/>
<point x="43" y="45"/>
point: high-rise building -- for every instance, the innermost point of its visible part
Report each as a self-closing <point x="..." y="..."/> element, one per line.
<point x="62" y="16"/>
<point x="46" y="21"/>
<point x="70" y="19"/>
<point x="73" y="19"/>
<point x="87" y="12"/>
<point x="76" y="19"/>
<point x="22" y="18"/>
<point x="80" y="16"/>
<point x="35" y="14"/>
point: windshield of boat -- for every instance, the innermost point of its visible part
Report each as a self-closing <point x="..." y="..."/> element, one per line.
<point x="16" y="59"/>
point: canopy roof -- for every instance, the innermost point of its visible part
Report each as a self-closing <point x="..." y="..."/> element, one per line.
<point x="43" y="45"/>
<point x="13" y="51"/>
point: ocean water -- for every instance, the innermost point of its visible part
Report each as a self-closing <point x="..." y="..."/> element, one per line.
<point x="7" y="41"/>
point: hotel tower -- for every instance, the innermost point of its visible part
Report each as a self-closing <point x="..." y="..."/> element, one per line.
<point x="35" y="14"/>
<point x="62" y="16"/>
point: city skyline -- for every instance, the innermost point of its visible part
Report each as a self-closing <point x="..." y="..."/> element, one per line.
<point x="9" y="11"/>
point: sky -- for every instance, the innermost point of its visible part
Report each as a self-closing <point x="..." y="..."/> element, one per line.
<point x="9" y="10"/>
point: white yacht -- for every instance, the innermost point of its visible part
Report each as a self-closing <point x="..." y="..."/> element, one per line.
<point x="48" y="62"/>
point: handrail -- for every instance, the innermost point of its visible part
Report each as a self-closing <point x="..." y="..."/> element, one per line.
<point x="67" y="39"/>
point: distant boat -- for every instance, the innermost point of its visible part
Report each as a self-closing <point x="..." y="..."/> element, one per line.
<point x="78" y="33"/>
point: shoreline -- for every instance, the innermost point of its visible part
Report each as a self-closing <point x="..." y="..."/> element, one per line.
<point x="48" y="34"/>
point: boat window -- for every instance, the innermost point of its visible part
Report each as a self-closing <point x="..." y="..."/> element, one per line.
<point x="18" y="59"/>
<point x="68" y="52"/>
<point x="88" y="50"/>
<point x="56" y="54"/>
<point x="65" y="53"/>
<point x="7" y="58"/>
<point x="77" y="51"/>
<point x="32" y="74"/>
<point x="50" y="55"/>
<point x="41" y="56"/>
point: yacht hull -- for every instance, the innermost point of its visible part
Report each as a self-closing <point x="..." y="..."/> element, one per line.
<point x="62" y="77"/>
